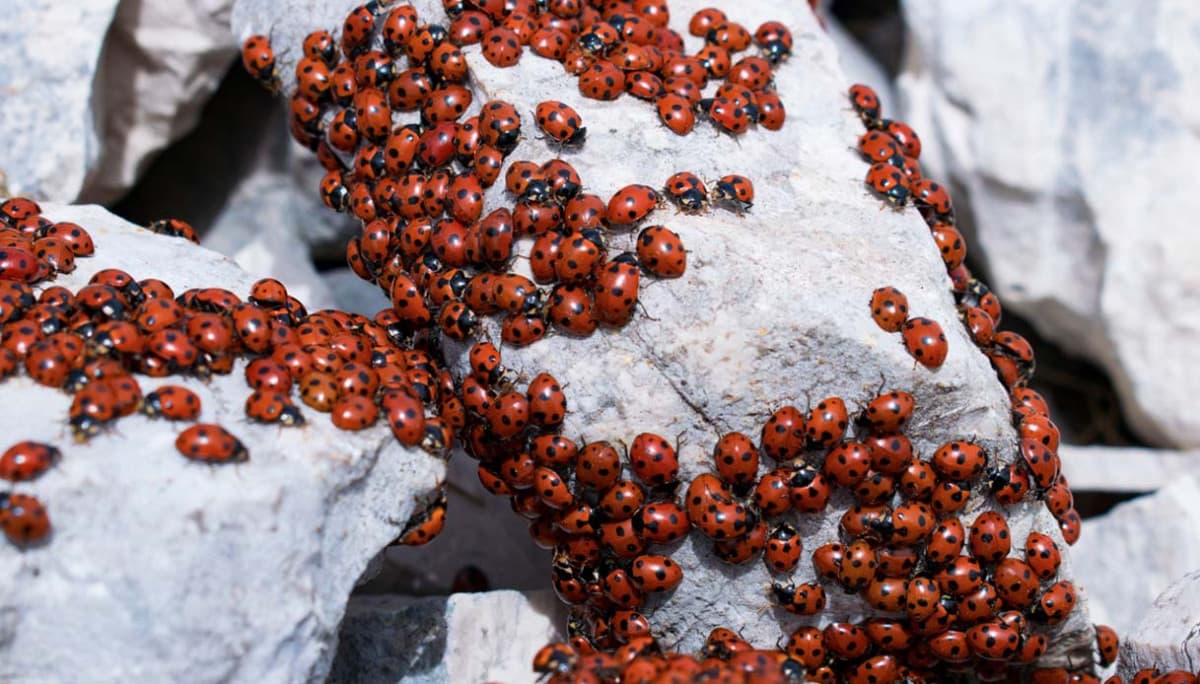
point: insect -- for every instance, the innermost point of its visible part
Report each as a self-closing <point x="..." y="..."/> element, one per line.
<point x="211" y="443"/>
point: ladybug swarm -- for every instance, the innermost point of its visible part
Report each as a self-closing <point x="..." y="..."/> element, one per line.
<point x="953" y="594"/>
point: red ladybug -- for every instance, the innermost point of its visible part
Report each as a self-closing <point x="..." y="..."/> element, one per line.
<point x="653" y="460"/>
<point x="783" y="549"/>
<point x="631" y="204"/>
<point x="615" y="290"/>
<point x="889" y="308"/>
<point x="211" y="443"/>
<point x="562" y="123"/>
<point x="661" y="253"/>
<point x="866" y="104"/>
<point x="925" y="341"/>
<point x="675" y="111"/>
<point x="736" y="191"/>
<point x="259" y="60"/>
<point x="27" y="460"/>
<point x="501" y="47"/>
<point x="23" y="519"/>
<point x="655" y="573"/>
<point x="891" y="182"/>
<point x="426" y="524"/>
<point x="173" y="403"/>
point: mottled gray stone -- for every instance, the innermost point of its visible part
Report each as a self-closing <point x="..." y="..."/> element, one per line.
<point x="163" y="569"/>
<point x="1070" y="129"/>
<point x="1168" y="637"/>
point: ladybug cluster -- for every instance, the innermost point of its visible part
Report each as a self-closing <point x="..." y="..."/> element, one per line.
<point x="960" y="593"/>
<point x="34" y="248"/>
<point x="418" y="189"/>
<point x="894" y="145"/>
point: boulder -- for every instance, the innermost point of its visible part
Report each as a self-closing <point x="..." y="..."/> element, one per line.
<point x="163" y="569"/>
<point x="1123" y="469"/>
<point x="485" y="637"/>
<point x="1168" y="637"/>
<point x="1129" y="555"/>
<point x="1063" y="127"/>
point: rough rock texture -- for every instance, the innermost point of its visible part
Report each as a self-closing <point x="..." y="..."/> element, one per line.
<point x="1123" y="469"/>
<point x="488" y="637"/>
<point x="93" y="89"/>
<point x="1169" y="636"/>
<point x="773" y="309"/>
<point x="161" y="569"/>
<point x="49" y="140"/>
<point x="162" y="59"/>
<point x="1069" y="127"/>
<point x="1159" y="535"/>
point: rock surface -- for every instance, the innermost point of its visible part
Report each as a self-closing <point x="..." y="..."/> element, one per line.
<point x="1069" y="128"/>
<point x="1126" y="557"/>
<point x="488" y="637"/>
<point x="161" y="569"/>
<point x="1168" y="638"/>
<point x="50" y="141"/>
<point x="1123" y="469"/>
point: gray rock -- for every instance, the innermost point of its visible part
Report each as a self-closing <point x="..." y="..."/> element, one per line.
<point x="1042" y="115"/>
<point x="1168" y="637"/>
<point x="1155" y="539"/>
<point x="1123" y="469"/>
<point x="487" y="637"/>
<point x="773" y="309"/>
<point x="162" y="569"/>
<point x="49" y="52"/>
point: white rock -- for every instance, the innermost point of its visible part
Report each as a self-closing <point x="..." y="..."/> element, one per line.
<point x="1168" y="638"/>
<point x="1123" y="469"/>
<point x="1132" y="553"/>
<point x="487" y="637"/>
<point x="772" y="311"/>
<point x="1069" y="127"/>
<point x="162" y="569"/>
<point x="49" y="53"/>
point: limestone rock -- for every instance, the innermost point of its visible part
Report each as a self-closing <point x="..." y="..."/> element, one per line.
<point x="1065" y="126"/>
<point x="487" y="637"/>
<point x="1168" y="638"/>
<point x="1123" y="469"/>
<point x="49" y="52"/>
<point x="1129" y="555"/>
<point x="162" y="569"/>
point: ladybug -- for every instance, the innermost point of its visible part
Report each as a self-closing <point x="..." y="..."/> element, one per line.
<point x="827" y="423"/>
<point x="602" y="81"/>
<point x="355" y="413"/>
<point x="27" y="460"/>
<point x="426" y="524"/>
<point x="730" y="116"/>
<point x="320" y="45"/>
<point x="631" y="204"/>
<point x="655" y="573"/>
<point x="889" y="412"/>
<point x="173" y="403"/>
<point x="989" y="541"/>
<point x="211" y="443"/>
<point x="653" y="460"/>
<point x="879" y="147"/>
<point x="799" y="599"/>
<point x="743" y="548"/>
<point x="660" y="251"/>
<point x="312" y="79"/>
<point x="735" y="191"/>
<point x="554" y="659"/>
<point x="560" y="122"/>
<point x="499" y="125"/>
<point x="687" y="191"/>
<point x="259" y="60"/>
<point x="23" y="519"/>
<point x="889" y="181"/>
<point x="1042" y="555"/>
<point x="783" y="549"/>
<point x="615" y="290"/>
<point x="904" y="135"/>
<point x="772" y="495"/>
<point x="925" y="341"/>
<point x="857" y="566"/>
<point x="269" y="406"/>
<point x="810" y="490"/>
<point x="501" y="47"/>
<point x="959" y="461"/>
<point x="1055" y="603"/>
<point x="866" y="104"/>
<point x="662" y="522"/>
<point x="933" y="196"/>
<point x="771" y="113"/>
<point x="847" y="463"/>
<point x="736" y="459"/>
<point x="675" y="111"/>
<point x="1016" y="583"/>
<point x="889" y="308"/>
<point x="1107" y="644"/>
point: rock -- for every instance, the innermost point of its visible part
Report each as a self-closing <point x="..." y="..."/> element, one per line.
<point x="1127" y="556"/>
<point x="49" y="52"/>
<point x="859" y="65"/>
<point x="773" y="309"/>
<point x="1040" y="116"/>
<point x="1168" y="638"/>
<point x="162" y="569"/>
<point x="1123" y="469"/>
<point x="487" y="637"/>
